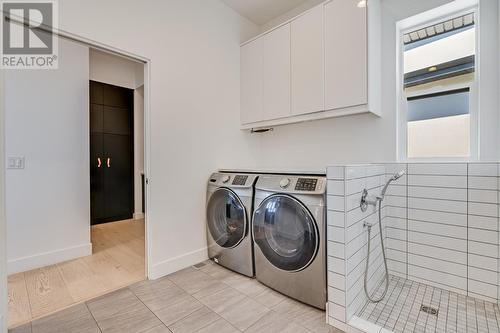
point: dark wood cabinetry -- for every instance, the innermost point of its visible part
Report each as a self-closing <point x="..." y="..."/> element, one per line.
<point x="111" y="152"/>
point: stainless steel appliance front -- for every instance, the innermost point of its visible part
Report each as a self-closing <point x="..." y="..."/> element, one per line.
<point x="289" y="231"/>
<point x="228" y="212"/>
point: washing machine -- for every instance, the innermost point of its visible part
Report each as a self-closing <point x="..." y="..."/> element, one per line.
<point x="289" y="233"/>
<point x="229" y="210"/>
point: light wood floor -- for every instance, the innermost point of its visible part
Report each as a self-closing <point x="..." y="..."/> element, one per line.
<point x="117" y="261"/>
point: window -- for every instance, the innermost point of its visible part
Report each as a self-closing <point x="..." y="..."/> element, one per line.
<point x="438" y="88"/>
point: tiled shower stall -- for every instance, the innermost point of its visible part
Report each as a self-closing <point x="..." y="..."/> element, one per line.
<point x="441" y="230"/>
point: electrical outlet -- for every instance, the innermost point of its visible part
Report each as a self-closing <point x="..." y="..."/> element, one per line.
<point x="15" y="162"/>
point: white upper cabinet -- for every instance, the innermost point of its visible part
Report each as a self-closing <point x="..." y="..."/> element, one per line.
<point x="307" y="62"/>
<point x="276" y="74"/>
<point x="251" y="82"/>
<point x="346" y="54"/>
<point x="326" y="62"/>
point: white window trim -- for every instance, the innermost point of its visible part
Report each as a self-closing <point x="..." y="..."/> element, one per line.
<point x="434" y="16"/>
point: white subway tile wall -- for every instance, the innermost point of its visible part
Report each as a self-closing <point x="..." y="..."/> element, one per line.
<point x="441" y="227"/>
<point x="396" y="221"/>
<point x="347" y="239"/>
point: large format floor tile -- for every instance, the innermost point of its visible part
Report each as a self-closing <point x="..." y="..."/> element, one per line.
<point x="195" y="321"/>
<point x="219" y="326"/>
<point x="179" y="310"/>
<point x="193" y="280"/>
<point x="122" y="311"/>
<point x="158" y="329"/>
<point x="158" y="294"/>
<point x="203" y="299"/>
<point x="276" y="322"/>
<point x="74" y="319"/>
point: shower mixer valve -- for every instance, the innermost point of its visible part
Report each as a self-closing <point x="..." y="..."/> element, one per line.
<point x="367" y="200"/>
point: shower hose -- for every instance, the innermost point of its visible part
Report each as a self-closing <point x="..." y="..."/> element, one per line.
<point x="372" y="298"/>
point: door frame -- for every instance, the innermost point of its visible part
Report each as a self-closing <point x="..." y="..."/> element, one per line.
<point x="147" y="124"/>
<point x="147" y="165"/>
<point x="3" y="223"/>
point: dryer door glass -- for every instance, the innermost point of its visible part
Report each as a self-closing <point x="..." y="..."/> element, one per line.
<point x="226" y="218"/>
<point x="285" y="232"/>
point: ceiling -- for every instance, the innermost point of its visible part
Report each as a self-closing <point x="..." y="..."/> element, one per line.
<point x="262" y="11"/>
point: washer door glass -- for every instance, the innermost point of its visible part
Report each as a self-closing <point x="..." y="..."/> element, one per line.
<point x="285" y="232"/>
<point x="226" y="218"/>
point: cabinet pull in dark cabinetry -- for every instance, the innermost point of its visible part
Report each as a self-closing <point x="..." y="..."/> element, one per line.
<point x="111" y="153"/>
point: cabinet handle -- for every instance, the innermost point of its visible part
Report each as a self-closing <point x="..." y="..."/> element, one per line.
<point x="109" y="162"/>
<point x="99" y="162"/>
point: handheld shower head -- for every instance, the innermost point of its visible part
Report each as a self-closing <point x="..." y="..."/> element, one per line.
<point x="367" y="200"/>
<point x="395" y="177"/>
<point x="398" y="175"/>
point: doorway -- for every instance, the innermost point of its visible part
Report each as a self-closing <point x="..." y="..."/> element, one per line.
<point x="74" y="257"/>
<point x="111" y="153"/>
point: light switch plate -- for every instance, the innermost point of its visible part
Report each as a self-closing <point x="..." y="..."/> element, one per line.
<point x="15" y="162"/>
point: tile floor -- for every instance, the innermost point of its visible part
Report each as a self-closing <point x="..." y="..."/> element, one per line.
<point x="400" y="310"/>
<point x="205" y="299"/>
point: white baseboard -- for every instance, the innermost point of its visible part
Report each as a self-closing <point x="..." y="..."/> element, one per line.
<point x="175" y="264"/>
<point x="48" y="258"/>
<point x="138" y="216"/>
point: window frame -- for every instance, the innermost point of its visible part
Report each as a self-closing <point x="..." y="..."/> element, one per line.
<point x="418" y="22"/>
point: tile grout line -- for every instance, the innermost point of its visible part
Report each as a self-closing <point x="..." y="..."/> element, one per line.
<point x="467" y="246"/>
<point x="133" y="293"/>
<point x="404" y="304"/>
<point x="439" y="309"/>
<point x="230" y="287"/>
<point x="180" y="319"/>
<point x="407" y="224"/>
<point x="430" y="304"/>
<point x="88" y="309"/>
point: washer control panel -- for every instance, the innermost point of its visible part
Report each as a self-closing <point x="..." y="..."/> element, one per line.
<point x="306" y="184"/>
<point x="285" y="182"/>
<point x="240" y="180"/>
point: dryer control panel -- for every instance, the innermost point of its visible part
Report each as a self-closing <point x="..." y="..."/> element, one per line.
<point x="293" y="184"/>
<point x="232" y="180"/>
<point x="306" y="184"/>
<point x="240" y="180"/>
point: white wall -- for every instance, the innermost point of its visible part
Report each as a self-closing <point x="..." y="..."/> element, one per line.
<point x="194" y="51"/>
<point x="115" y="70"/>
<point x="47" y="202"/>
<point x="138" y="149"/>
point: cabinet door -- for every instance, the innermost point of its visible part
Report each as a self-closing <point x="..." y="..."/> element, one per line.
<point x="251" y="82"/>
<point x="276" y="71"/>
<point x="118" y="176"/>
<point x="307" y="62"/>
<point x="346" y="54"/>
